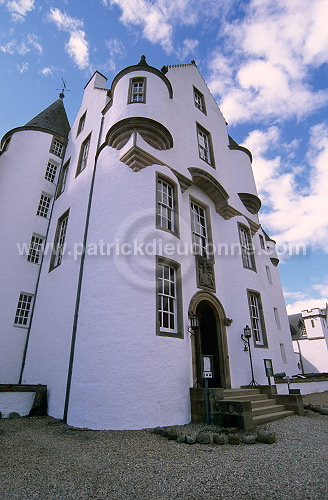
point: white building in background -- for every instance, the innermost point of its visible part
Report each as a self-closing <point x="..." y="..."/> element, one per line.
<point x="163" y="201"/>
<point x="309" y="331"/>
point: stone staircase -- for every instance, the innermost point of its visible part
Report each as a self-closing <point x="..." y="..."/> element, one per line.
<point x="264" y="408"/>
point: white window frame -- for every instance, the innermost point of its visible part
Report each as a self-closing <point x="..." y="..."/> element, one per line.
<point x="51" y="171"/>
<point x="35" y="248"/>
<point x="84" y="153"/>
<point x="167" y="310"/>
<point x="44" y="205"/>
<point x="205" y="145"/>
<point x="199" y="229"/>
<point x="23" y="310"/>
<point x="59" y="242"/>
<point x="80" y="127"/>
<point x="57" y="148"/>
<point x="137" y="90"/>
<point x="199" y="100"/>
<point x="62" y="178"/>
<point x="169" y="301"/>
<point x="166" y="206"/>
<point x="257" y="320"/>
<point x="247" y="251"/>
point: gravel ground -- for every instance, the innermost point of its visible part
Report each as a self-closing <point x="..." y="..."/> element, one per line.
<point x="42" y="458"/>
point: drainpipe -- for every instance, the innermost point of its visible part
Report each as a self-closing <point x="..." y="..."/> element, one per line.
<point x="79" y="286"/>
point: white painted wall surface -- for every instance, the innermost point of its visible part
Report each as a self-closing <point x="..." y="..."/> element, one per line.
<point x="19" y="402"/>
<point x="124" y="375"/>
<point x="314" y="354"/>
<point x="22" y="182"/>
<point x="305" y="387"/>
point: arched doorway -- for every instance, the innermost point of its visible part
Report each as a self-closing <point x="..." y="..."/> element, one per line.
<point x="210" y="338"/>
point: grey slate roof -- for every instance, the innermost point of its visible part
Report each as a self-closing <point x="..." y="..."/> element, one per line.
<point x="294" y="322"/>
<point x="53" y="119"/>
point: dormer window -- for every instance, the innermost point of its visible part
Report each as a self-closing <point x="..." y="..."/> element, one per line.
<point x="137" y="91"/>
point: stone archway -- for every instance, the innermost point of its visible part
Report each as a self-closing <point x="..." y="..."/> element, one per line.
<point x="210" y="338"/>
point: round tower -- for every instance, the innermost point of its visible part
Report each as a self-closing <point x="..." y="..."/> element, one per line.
<point x="30" y="162"/>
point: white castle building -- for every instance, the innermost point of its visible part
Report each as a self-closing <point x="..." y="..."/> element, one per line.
<point x="309" y="330"/>
<point x="147" y="213"/>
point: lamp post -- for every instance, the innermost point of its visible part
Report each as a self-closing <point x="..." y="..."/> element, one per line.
<point x="247" y="347"/>
<point x="194" y="324"/>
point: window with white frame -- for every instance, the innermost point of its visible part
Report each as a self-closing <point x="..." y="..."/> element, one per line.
<point x="277" y="318"/>
<point x="268" y="273"/>
<point x="62" y="179"/>
<point x="257" y="320"/>
<point x="168" y="298"/>
<point x="57" y="148"/>
<point x="83" y="159"/>
<point x="199" y="230"/>
<point x="51" y="171"/>
<point x="205" y="145"/>
<point x="23" y="309"/>
<point x="166" y="205"/>
<point x="199" y="100"/>
<point x="247" y="252"/>
<point x="35" y="249"/>
<point x="59" y="243"/>
<point x="137" y="91"/>
<point x="81" y="123"/>
<point x="44" y="205"/>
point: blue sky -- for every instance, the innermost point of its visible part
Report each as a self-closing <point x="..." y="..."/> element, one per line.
<point x="265" y="62"/>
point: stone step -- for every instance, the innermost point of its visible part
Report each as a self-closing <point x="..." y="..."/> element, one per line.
<point x="262" y="419"/>
<point x="263" y="402"/>
<point x="268" y="410"/>
<point x="229" y="393"/>
<point x="247" y="397"/>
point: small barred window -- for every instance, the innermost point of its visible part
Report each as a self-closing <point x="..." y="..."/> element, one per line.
<point x="51" y="170"/>
<point x="44" y="205"/>
<point x="35" y="249"/>
<point x="23" y="309"/>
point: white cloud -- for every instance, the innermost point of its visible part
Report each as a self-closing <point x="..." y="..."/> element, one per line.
<point x="297" y="213"/>
<point x="116" y="51"/>
<point x="268" y="56"/>
<point x="322" y="288"/>
<point x="188" y="48"/>
<point x="30" y="43"/>
<point x="19" y="8"/>
<point x="77" y="47"/>
<point x="47" y="71"/>
<point x="307" y="304"/>
<point x="158" y="19"/>
<point x="22" y="67"/>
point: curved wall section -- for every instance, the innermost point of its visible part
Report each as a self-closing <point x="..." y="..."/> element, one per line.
<point x="153" y="132"/>
<point x="155" y="104"/>
<point x="22" y="182"/>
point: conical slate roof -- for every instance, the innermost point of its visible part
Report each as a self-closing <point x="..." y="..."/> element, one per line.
<point x="53" y="119"/>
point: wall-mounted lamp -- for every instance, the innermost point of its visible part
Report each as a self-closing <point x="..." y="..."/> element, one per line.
<point x="245" y="337"/>
<point x="194" y="325"/>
